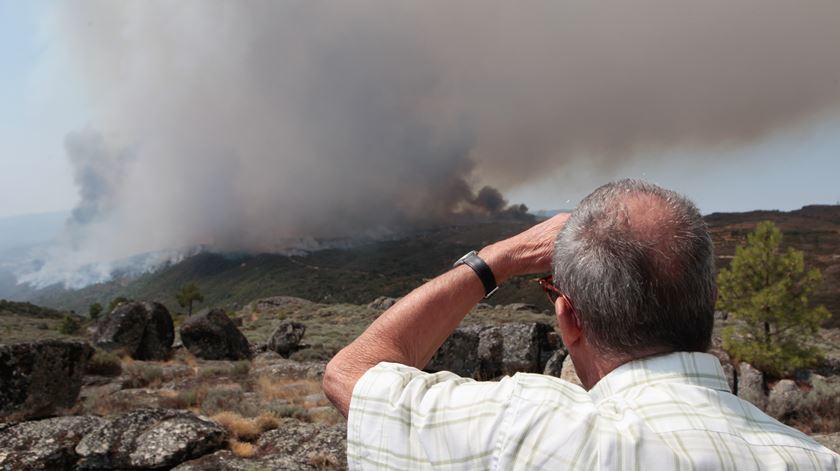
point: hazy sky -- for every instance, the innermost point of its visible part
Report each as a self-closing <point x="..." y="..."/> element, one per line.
<point x="41" y="101"/>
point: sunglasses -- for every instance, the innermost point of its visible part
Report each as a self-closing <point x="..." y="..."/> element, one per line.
<point x="553" y="294"/>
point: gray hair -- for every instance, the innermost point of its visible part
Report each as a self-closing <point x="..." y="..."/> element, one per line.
<point x="637" y="264"/>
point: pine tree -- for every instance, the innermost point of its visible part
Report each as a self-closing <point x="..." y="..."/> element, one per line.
<point x="769" y="292"/>
<point x="95" y="311"/>
<point x="188" y="295"/>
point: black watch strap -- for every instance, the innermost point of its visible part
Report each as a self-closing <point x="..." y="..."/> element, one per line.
<point x="485" y="274"/>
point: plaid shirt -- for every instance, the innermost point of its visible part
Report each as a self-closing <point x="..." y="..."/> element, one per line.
<point x="672" y="411"/>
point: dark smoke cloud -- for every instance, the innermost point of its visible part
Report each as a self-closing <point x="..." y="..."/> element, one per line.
<point x="99" y="170"/>
<point x="255" y="122"/>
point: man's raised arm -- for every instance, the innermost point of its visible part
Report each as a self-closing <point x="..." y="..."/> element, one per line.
<point x="414" y="328"/>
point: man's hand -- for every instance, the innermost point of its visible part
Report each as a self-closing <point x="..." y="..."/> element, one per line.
<point x="527" y="252"/>
<point x="415" y="327"/>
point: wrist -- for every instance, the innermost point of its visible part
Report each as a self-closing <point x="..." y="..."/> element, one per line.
<point x="500" y="262"/>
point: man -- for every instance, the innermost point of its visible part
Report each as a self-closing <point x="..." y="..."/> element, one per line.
<point x="634" y="294"/>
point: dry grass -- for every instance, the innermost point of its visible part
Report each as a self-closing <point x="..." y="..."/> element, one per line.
<point x="244" y="429"/>
<point x="242" y="449"/>
<point x="272" y="388"/>
<point x="239" y="427"/>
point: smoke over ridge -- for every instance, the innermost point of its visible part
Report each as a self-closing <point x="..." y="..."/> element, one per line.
<point x="242" y="125"/>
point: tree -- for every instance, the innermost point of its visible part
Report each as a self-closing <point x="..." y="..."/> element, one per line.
<point x="188" y="295"/>
<point x="94" y="311"/>
<point x="768" y="291"/>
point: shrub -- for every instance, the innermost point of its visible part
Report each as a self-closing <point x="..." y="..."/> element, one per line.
<point x="104" y="364"/>
<point x="69" y="325"/>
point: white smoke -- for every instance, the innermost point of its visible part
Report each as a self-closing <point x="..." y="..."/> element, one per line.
<point x="254" y="123"/>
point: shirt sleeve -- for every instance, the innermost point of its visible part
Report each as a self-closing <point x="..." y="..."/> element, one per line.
<point x="403" y="418"/>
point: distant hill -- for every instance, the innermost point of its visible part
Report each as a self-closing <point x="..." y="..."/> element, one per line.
<point x="392" y="268"/>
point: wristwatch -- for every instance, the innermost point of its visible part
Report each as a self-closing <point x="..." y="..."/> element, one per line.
<point x="485" y="274"/>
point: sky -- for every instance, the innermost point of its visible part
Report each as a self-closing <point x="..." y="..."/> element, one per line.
<point x="42" y="100"/>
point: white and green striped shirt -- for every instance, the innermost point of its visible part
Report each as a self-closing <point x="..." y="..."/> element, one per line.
<point x="667" y="412"/>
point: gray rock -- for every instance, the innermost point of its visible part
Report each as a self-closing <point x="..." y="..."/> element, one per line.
<point x="751" y="385"/>
<point x="486" y="352"/>
<point x="568" y="372"/>
<point x="286" y="338"/>
<point x="554" y="365"/>
<point x="38" y="378"/>
<point x="520" y="347"/>
<point x="149" y="438"/>
<point x="459" y="353"/>
<point x="784" y="399"/>
<point x="294" y="445"/>
<point x="211" y="335"/>
<point x="142" y="330"/>
<point x="47" y="444"/>
<point x="383" y="303"/>
<point x="729" y="372"/>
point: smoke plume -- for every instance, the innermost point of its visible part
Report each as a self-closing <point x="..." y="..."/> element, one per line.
<point x="254" y="123"/>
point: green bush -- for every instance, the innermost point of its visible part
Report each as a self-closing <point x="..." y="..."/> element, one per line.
<point x="69" y="325"/>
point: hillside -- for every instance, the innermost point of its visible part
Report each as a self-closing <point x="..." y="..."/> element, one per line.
<point x="392" y="268"/>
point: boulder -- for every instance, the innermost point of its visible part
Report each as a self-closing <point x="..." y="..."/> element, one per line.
<point x="784" y="399"/>
<point x="554" y="365"/>
<point x="568" y="372"/>
<point x="149" y="439"/>
<point x="459" y="353"/>
<point x="286" y="338"/>
<point x="38" y="378"/>
<point x="142" y="330"/>
<point x="294" y="445"/>
<point x="729" y="372"/>
<point x="486" y="352"/>
<point x="383" y="303"/>
<point x="751" y="385"/>
<point x="211" y="335"/>
<point x="510" y="348"/>
<point x="523" y="307"/>
<point x="47" y="444"/>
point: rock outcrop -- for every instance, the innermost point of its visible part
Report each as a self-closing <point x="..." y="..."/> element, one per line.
<point x="211" y="335"/>
<point x="142" y="330"/>
<point x="47" y="444"/>
<point x="38" y="378"/>
<point x="459" y="353"/>
<point x="751" y="385"/>
<point x="149" y="439"/>
<point x="554" y="365"/>
<point x="490" y="351"/>
<point x="286" y="338"/>
<point x="784" y="399"/>
<point x="294" y="445"/>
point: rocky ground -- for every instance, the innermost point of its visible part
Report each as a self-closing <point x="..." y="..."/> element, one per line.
<point x="242" y="390"/>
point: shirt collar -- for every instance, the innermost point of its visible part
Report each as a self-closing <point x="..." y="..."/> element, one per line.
<point x="699" y="369"/>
